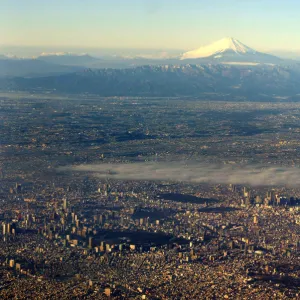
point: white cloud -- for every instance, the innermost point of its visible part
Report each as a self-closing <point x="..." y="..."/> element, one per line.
<point x="195" y="172"/>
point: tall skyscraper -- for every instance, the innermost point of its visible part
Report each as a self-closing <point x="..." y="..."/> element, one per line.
<point x="255" y="220"/>
<point x="65" y="204"/>
<point x="4" y="228"/>
<point x="91" y="242"/>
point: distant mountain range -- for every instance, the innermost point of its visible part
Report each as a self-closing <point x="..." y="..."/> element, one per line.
<point x="32" y="67"/>
<point x="218" y="82"/>
<point x="67" y="58"/>
<point x="225" y="51"/>
<point x="222" y="70"/>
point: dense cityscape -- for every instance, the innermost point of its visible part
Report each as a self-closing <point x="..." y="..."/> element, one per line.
<point x="149" y="149"/>
<point x="69" y="230"/>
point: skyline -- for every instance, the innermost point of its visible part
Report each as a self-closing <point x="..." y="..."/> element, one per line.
<point x="263" y="25"/>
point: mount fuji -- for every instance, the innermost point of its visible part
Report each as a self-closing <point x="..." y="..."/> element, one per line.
<point x="228" y="50"/>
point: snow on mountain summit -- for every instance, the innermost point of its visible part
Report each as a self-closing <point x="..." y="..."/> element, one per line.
<point x="217" y="48"/>
<point x="62" y="54"/>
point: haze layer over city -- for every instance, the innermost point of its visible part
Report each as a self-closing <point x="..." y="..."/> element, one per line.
<point x="149" y="149"/>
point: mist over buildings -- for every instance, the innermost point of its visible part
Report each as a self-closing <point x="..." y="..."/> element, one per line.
<point x="195" y="172"/>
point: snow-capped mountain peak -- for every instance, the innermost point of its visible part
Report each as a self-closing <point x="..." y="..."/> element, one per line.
<point x="62" y="54"/>
<point x="8" y="56"/>
<point x="219" y="47"/>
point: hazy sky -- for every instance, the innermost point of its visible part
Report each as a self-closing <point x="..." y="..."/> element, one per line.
<point x="165" y="24"/>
